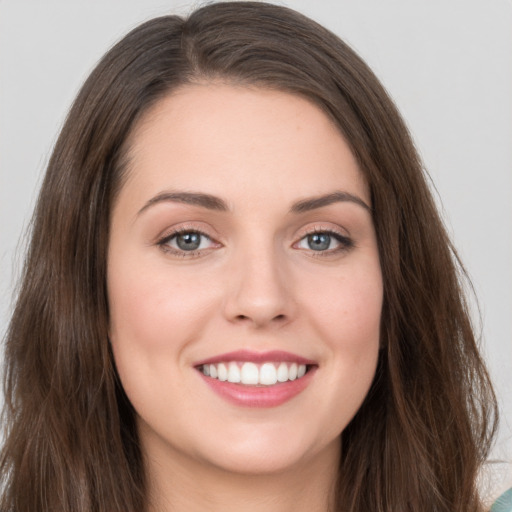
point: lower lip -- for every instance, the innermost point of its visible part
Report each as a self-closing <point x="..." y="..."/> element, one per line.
<point x="259" y="396"/>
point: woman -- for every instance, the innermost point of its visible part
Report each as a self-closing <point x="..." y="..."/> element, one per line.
<point x="239" y="292"/>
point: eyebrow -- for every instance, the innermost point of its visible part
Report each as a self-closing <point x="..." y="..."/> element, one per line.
<point x="313" y="203"/>
<point x="211" y="202"/>
<point x="194" y="198"/>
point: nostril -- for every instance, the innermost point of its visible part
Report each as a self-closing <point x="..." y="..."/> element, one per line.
<point x="278" y="318"/>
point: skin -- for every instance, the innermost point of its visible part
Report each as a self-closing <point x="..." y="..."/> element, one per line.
<point x="255" y="283"/>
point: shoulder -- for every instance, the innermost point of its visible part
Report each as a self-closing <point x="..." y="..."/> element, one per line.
<point x="503" y="503"/>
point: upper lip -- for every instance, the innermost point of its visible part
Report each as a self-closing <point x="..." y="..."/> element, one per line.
<point x="256" y="357"/>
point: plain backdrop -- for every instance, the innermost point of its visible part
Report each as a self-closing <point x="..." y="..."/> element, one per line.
<point x="446" y="63"/>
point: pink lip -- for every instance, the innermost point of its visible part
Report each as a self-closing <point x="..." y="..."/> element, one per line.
<point x="256" y="357"/>
<point x="259" y="396"/>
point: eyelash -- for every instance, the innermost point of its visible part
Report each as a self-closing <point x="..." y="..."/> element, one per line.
<point x="163" y="242"/>
<point x="345" y="243"/>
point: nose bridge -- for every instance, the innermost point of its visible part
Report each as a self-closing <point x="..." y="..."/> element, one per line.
<point x="258" y="289"/>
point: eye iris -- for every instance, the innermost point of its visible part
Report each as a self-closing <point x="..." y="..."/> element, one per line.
<point x="188" y="241"/>
<point x="319" y="241"/>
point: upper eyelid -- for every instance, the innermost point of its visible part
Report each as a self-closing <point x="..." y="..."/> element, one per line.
<point x="167" y="238"/>
<point x="211" y="234"/>
<point x="180" y="231"/>
<point x="342" y="238"/>
<point x="322" y="228"/>
<point x="169" y="232"/>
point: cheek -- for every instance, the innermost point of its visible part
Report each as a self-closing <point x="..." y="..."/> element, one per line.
<point x="151" y="307"/>
<point x="347" y="308"/>
<point x="154" y="315"/>
<point x="345" y="313"/>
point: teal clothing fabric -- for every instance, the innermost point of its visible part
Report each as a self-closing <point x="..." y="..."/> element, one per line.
<point x="503" y="503"/>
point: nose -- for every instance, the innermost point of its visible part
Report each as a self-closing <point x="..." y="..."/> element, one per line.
<point x="259" y="290"/>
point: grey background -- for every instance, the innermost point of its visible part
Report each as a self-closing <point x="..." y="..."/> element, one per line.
<point x="447" y="64"/>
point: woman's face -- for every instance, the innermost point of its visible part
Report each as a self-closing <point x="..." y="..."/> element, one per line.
<point x="243" y="254"/>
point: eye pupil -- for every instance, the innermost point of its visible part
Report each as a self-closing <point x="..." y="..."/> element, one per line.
<point x="319" y="241"/>
<point x="188" y="241"/>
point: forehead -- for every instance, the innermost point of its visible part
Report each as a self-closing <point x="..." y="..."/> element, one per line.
<point x="233" y="140"/>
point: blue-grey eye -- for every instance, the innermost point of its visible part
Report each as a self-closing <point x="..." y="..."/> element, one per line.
<point x="319" y="241"/>
<point x="188" y="241"/>
<point x="324" y="241"/>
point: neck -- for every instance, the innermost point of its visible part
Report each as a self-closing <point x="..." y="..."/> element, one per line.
<point x="180" y="484"/>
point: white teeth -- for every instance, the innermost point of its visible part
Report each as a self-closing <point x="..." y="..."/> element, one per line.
<point x="249" y="374"/>
<point x="282" y="372"/>
<point x="233" y="372"/>
<point x="266" y="374"/>
<point x="222" y="372"/>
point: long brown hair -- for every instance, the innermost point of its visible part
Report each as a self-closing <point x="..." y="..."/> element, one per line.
<point x="71" y="444"/>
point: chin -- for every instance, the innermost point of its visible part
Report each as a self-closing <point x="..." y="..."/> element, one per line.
<point x="271" y="454"/>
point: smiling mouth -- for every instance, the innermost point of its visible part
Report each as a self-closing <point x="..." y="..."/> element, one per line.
<point x="252" y="374"/>
<point x="248" y="378"/>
